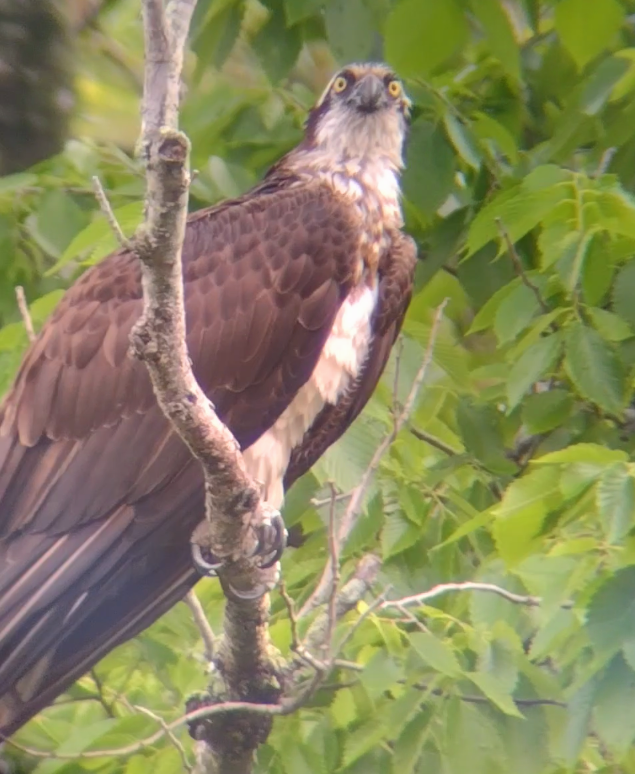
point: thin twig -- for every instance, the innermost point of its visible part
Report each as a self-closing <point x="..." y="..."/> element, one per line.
<point x="518" y="265"/>
<point x="348" y="521"/>
<point x="200" y="619"/>
<point x="100" y="692"/>
<point x="446" y="588"/>
<point x="293" y="619"/>
<point x="395" y="385"/>
<point x="199" y="714"/>
<point x="434" y="441"/>
<point x="334" y="558"/>
<point x="605" y="161"/>
<point x="170" y="734"/>
<point x="412" y="618"/>
<point x="24" y="312"/>
<point x="348" y="597"/>
<point x="375" y="605"/>
<point x="107" y="210"/>
<point x="322" y="501"/>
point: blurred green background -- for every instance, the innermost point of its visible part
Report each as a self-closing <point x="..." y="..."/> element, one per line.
<point x="517" y="465"/>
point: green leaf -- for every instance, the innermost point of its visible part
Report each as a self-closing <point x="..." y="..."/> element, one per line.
<point x="13" y="337"/>
<point x="587" y="27"/>
<point x="624" y="293"/>
<point x="298" y="10"/>
<point x="362" y="739"/>
<point x="587" y="453"/>
<point x="471" y="742"/>
<point x="518" y="209"/>
<point x="615" y="497"/>
<point x="343" y="709"/>
<point x="12" y="183"/>
<point x="57" y="221"/>
<point x="480" y="431"/>
<point x="435" y="653"/>
<point x="350" y="29"/>
<point x="398" y="534"/>
<point x="611" y="613"/>
<point x="544" y="411"/>
<point x="610" y="326"/>
<point x="598" y="270"/>
<point x="598" y="87"/>
<point x="535" y="362"/>
<point x="487" y="313"/>
<point x="84" y="736"/>
<point x="579" y="711"/>
<point x="421" y="35"/>
<point x="276" y="46"/>
<point x="491" y="131"/>
<point x="520" y="515"/>
<point x="409" y="745"/>
<point x="216" y="35"/>
<point x="429" y="175"/>
<point x="515" y="313"/>
<point x="495" y="692"/>
<point x="99" y="232"/>
<point x="594" y="368"/>
<point x="463" y="141"/>
<point x="614" y="702"/>
<point x="500" y="34"/>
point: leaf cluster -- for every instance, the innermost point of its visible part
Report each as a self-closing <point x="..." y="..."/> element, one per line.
<point x="518" y="464"/>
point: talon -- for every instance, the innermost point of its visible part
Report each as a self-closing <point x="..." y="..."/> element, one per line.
<point x="271" y="542"/>
<point x="204" y="567"/>
<point x="260" y="590"/>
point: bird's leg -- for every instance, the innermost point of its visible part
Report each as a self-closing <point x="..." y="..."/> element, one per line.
<point x="270" y="539"/>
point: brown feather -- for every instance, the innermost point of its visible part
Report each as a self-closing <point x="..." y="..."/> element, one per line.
<point x="98" y="497"/>
<point x="396" y="275"/>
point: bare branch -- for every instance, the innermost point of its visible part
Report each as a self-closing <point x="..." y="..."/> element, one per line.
<point x="233" y="506"/>
<point x="293" y="619"/>
<point x="169" y="733"/>
<point x="200" y="619"/>
<point x="446" y="588"/>
<point x="106" y="209"/>
<point x="334" y="558"/>
<point x="199" y="714"/>
<point x="432" y="440"/>
<point x="354" y="508"/>
<point x="24" y="312"/>
<point x="518" y="265"/>
<point x="353" y="591"/>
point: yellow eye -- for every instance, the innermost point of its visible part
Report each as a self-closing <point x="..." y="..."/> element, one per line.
<point x="339" y="84"/>
<point x="394" y="89"/>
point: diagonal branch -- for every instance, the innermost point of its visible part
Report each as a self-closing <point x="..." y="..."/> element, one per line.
<point x="354" y="508"/>
<point x="233" y="505"/>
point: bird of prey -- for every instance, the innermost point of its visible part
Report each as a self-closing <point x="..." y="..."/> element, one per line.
<point x="294" y="295"/>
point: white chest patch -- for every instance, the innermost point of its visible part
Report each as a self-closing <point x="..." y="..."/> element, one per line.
<point x="341" y="360"/>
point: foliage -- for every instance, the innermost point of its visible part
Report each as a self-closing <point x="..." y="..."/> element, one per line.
<point x="518" y="466"/>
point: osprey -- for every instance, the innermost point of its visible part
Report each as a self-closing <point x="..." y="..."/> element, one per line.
<point x="294" y="295"/>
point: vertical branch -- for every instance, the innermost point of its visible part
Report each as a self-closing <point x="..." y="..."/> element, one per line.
<point x="233" y="507"/>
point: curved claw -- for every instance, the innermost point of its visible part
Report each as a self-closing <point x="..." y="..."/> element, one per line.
<point x="250" y="595"/>
<point x="273" y="545"/>
<point x="205" y="568"/>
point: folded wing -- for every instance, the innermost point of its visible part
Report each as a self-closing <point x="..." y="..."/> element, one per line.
<point x="98" y="497"/>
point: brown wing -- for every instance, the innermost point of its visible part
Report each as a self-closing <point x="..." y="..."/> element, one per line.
<point x="98" y="497"/>
<point x="396" y="275"/>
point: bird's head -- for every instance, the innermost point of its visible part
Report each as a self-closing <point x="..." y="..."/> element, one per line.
<point x="362" y="114"/>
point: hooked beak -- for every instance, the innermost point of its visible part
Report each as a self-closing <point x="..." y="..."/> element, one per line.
<point x="369" y="94"/>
